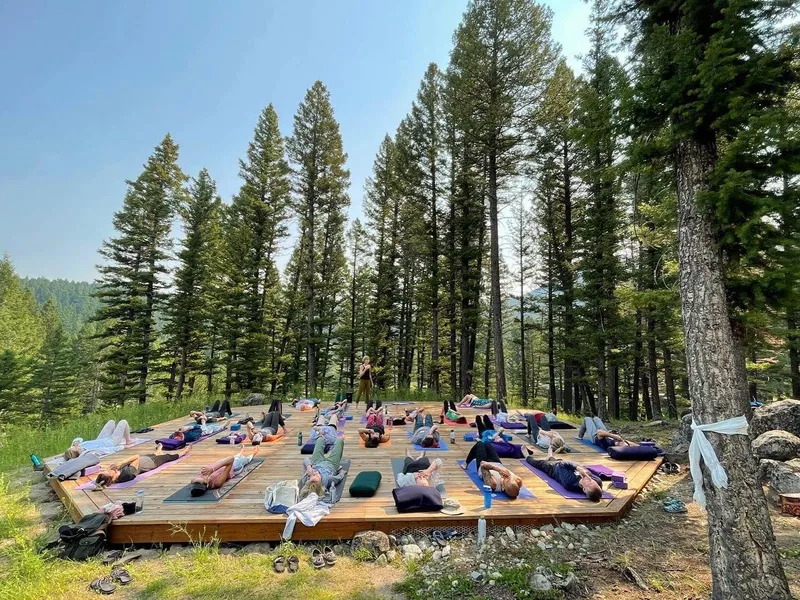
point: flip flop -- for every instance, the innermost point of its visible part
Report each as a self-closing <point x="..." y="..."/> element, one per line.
<point x="121" y="575"/>
<point x="279" y="564"/>
<point x="103" y="585"/>
<point x="329" y="556"/>
<point x="294" y="564"/>
<point x="110" y="556"/>
<point x="438" y="537"/>
<point x="130" y="557"/>
<point x="317" y="559"/>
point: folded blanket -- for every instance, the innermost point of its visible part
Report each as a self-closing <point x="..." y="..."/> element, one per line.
<point x="71" y="468"/>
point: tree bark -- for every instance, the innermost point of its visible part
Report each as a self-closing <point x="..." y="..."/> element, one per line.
<point x="551" y="357"/>
<point x="655" y="397"/>
<point x="793" y="322"/>
<point x="494" y="266"/>
<point x="744" y="561"/>
<point x="669" y="382"/>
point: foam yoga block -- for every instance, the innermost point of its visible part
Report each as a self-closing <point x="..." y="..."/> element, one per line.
<point x="632" y="452"/>
<point x="365" y="484"/>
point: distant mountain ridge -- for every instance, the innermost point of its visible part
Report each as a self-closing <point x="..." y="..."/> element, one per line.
<point x="73" y="299"/>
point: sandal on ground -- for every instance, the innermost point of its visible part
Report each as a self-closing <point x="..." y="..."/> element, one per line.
<point x="438" y="537"/>
<point x="329" y="556"/>
<point x="131" y="556"/>
<point x="675" y="506"/>
<point x="317" y="559"/>
<point x="294" y="564"/>
<point x="121" y="575"/>
<point x="103" y="585"/>
<point x="110" y="556"/>
<point x="279" y="564"/>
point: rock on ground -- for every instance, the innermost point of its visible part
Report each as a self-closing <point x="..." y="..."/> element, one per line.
<point x="539" y="583"/>
<point x="784" y="414"/>
<point x="776" y="445"/>
<point x="259" y="548"/>
<point x="782" y="477"/>
<point x="254" y="400"/>
<point x="376" y="542"/>
<point x="382" y="561"/>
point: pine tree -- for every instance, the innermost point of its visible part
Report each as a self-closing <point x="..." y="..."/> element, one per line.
<point x="188" y="309"/>
<point x="321" y="182"/>
<point x="54" y="374"/>
<point x="716" y="73"/>
<point x="131" y="283"/>
<point x="502" y="57"/>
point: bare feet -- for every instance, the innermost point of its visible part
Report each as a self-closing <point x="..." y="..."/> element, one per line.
<point x="159" y="449"/>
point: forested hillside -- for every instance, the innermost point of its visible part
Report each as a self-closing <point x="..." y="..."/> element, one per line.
<point x="74" y="300"/>
<point x="518" y="240"/>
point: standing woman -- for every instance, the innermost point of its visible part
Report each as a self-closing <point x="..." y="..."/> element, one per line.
<point x="364" y="380"/>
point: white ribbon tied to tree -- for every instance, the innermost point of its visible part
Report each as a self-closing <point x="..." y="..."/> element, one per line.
<point x="701" y="447"/>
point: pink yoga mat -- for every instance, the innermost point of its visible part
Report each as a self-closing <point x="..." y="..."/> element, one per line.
<point x="121" y="486"/>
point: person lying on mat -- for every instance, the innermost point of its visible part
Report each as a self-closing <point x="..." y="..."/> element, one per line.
<point x="113" y="437"/>
<point x="486" y="429"/>
<point x="192" y="433"/>
<point x="419" y="471"/>
<point x="492" y="471"/>
<point x="450" y="413"/>
<point x="133" y="466"/>
<point x="373" y="435"/>
<point x="426" y="434"/>
<point x="375" y="416"/>
<point x="600" y="435"/>
<point x="500" y="412"/>
<point x="319" y="471"/>
<point x="573" y="477"/>
<point x="305" y="404"/>
<point x="374" y="404"/>
<point x="217" y="412"/>
<point x="329" y="432"/>
<point x="543" y="437"/>
<point x="214" y="476"/>
<point x="269" y="425"/>
<point x="472" y="400"/>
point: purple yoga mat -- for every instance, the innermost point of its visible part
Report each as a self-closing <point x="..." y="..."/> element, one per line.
<point x="121" y="486"/>
<point x="556" y="486"/>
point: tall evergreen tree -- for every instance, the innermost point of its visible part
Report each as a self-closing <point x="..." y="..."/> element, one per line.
<point x="54" y="374"/>
<point x="501" y="60"/>
<point x="321" y="182"/>
<point x="132" y="280"/>
<point x="188" y="311"/>
<point x="718" y="75"/>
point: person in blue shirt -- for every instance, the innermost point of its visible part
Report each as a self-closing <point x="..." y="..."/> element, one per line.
<point x="486" y="429"/>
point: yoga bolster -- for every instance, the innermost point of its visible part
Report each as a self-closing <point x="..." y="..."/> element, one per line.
<point x="365" y="484"/>
<point x="417" y="498"/>
<point x="308" y="448"/>
<point x="72" y="467"/>
<point x="227" y="440"/>
<point x="171" y="443"/>
<point x="632" y="452"/>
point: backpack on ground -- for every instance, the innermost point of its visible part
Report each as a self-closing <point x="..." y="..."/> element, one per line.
<point x="84" y="539"/>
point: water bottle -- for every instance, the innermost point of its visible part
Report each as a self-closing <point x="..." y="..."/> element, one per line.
<point x="487" y="497"/>
<point x="452" y="436"/>
<point x="481" y="531"/>
<point x="300" y="438"/>
<point x="139" y="501"/>
<point x="37" y="463"/>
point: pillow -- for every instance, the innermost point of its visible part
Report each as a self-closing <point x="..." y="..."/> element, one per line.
<point x="171" y="443"/>
<point x="417" y="498"/>
<point x="365" y="484"/>
<point x="308" y="448"/>
<point x="632" y="452"/>
<point x="227" y="439"/>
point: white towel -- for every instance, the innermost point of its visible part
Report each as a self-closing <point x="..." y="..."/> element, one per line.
<point x="702" y="448"/>
<point x="310" y="512"/>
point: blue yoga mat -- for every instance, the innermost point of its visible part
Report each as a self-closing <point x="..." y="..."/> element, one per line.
<point x="442" y="444"/>
<point x="591" y="445"/>
<point x="472" y="473"/>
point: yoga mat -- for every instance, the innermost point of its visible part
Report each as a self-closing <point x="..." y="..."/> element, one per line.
<point x="397" y="469"/>
<point x="591" y="445"/>
<point x="472" y="473"/>
<point x="121" y="486"/>
<point x="557" y="487"/>
<point x="184" y="494"/>
<point x="344" y="465"/>
<point x="442" y="444"/>
<point x="479" y="407"/>
<point x="362" y="444"/>
<point x="455" y="423"/>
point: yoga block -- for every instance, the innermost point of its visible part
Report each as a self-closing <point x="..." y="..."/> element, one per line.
<point x="365" y="484"/>
<point x="506" y="437"/>
<point x="619" y="482"/>
<point x="470" y="437"/>
<point x="348" y="418"/>
<point x="235" y="427"/>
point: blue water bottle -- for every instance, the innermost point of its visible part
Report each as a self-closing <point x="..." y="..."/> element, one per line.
<point x="300" y="438"/>
<point x="487" y="497"/>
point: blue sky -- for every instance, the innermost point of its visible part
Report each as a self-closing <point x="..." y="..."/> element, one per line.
<point x="90" y="87"/>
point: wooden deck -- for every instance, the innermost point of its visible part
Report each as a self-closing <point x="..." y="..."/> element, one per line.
<point x="240" y="516"/>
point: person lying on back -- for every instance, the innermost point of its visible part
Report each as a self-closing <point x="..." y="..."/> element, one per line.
<point x="492" y="471"/>
<point x="192" y="433"/>
<point x="600" y="435"/>
<point x="133" y="466"/>
<point x="217" y="412"/>
<point x="426" y="434"/>
<point x="215" y="475"/>
<point x="269" y="426"/>
<point x="450" y="413"/>
<point x="573" y="477"/>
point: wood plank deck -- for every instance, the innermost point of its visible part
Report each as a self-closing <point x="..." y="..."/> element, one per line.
<point x="240" y="516"/>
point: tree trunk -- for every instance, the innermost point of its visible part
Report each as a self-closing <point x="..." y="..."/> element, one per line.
<point x="633" y="403"/>
<point x="648" y="407"/>
<point x="653" y="366"/>
<point x="311" y="351"/>
<point x="353" y="327"/>
<point x="486" y="368"/>
<point x="551" y="357"/>
<point x="494" y="266"/>
<point x="566" y="270"/>
<point x="744" y="560"/>
<point x="793" y="323"/>
<point x="669" y="382"/>
<point x="601" y="380"/>
<point x="524" y="365"/>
